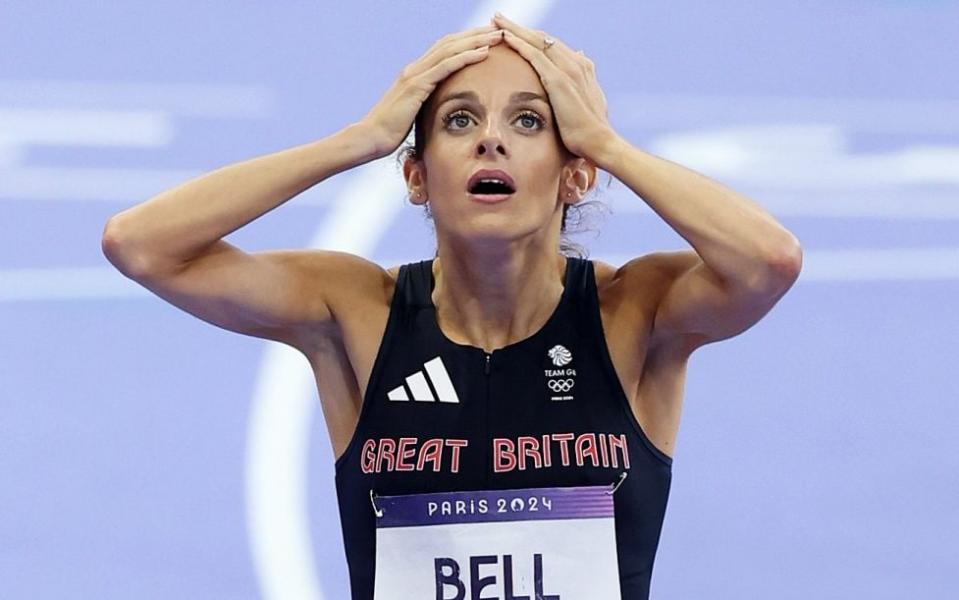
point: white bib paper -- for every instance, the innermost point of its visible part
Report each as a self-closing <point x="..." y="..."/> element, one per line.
<point x="526" y="544"/>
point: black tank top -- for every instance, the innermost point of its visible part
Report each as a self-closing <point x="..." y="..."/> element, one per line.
<point x="547" y="411"/>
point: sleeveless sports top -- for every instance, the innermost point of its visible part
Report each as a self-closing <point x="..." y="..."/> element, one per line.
<point x="547" y="411"/>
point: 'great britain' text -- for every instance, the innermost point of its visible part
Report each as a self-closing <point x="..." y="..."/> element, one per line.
<point x="605" y="450"/>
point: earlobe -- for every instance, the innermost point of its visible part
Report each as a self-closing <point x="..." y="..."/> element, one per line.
<point x="417" y="197"/>
<point x="572" y="195"/>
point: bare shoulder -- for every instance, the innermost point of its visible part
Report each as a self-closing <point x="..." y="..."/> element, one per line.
<point x="358" y="279"/>
<point x="657" y="269"/>
<point x="351" y="287"/>
<point x="637" y="286"/>
<point x="629" y="296"/>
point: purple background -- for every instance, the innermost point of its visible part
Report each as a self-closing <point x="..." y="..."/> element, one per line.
<point x="818" y="454"/>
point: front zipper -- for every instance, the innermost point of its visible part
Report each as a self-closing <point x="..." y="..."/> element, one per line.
<point x="489" y="458"/>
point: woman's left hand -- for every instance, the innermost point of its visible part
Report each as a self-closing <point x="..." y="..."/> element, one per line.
<point x="569" y="79"/>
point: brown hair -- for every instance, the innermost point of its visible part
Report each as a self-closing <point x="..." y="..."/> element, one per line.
<point x="575" y="216"/>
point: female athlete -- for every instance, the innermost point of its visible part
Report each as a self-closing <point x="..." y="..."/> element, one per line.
<point x="500" y="369"/>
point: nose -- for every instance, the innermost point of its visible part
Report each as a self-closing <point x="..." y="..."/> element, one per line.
<point x="491" y="144"/>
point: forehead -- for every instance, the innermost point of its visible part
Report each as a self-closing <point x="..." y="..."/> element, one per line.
<point x="494" y="79"/>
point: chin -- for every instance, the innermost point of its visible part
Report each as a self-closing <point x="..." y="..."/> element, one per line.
<point x="494" y="228"/>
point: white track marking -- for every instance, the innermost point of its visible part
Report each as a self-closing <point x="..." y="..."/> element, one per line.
<point x="192" y="100"/>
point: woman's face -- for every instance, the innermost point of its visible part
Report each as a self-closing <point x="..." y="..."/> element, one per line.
<point x="490" y="128"/>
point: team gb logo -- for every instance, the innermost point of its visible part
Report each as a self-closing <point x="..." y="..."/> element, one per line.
<point x="560" y="355"/>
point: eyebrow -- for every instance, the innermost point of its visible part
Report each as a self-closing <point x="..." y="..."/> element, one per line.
<point x="515" y="98"/>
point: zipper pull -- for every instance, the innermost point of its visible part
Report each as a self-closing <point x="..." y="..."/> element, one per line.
<point x="487" y="364"/>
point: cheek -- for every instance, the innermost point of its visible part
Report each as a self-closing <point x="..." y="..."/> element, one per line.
<point x="544" y="179"/>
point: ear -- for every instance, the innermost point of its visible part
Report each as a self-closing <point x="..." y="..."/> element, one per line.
<point x="414" y="171"/>
<point x="578" y="177"/>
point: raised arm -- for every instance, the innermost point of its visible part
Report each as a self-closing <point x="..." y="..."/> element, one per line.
<point x="181" y="224"/>
<point x="171" y="244"/>
<point x="743" y="260"/>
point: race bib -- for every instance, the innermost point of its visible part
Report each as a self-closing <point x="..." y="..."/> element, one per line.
<point x="526" y="544"/>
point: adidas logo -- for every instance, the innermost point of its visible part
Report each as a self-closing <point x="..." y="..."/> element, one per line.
<point x="419" y="387"/>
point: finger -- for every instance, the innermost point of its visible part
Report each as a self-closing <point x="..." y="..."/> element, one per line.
<point x="561" y="54"/>
<point x="459" y="35"/>
<point x="547" y="69"/>
<point x="466" y="33"/>
<point x="455" y="46"/>
<point x="451" y="64"/>
<point x="485" y="35"/>
<point x="534" y="37"/>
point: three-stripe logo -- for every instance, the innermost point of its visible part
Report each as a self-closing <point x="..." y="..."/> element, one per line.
<point x="419" y="388"/>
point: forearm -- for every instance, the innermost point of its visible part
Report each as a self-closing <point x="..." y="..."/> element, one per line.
<point x="736" y="237"/>
<point x="178" y="224"/>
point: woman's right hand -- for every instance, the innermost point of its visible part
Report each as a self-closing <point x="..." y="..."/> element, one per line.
<point x="392" y="118"/>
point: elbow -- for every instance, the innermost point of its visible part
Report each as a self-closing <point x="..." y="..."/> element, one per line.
<point x="783" y="267"/>
<point x="119" y="253"/>
<point x="772" y="273"/>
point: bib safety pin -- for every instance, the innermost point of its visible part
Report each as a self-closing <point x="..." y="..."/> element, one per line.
<point x="615" y="485"/>
<point x="376" y="511"/>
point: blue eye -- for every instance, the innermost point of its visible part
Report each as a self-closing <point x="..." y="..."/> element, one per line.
<point x="531" y="115"/>
<point x="461" y="114"/>
<point x="453" y="117"/>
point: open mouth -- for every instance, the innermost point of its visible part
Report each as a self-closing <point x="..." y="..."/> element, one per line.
<point x="491" y="187"/>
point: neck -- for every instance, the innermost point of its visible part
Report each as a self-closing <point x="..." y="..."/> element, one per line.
<point x="495" y="297"/>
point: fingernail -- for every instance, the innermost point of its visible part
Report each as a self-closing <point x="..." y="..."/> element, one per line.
<point x="500" y="15"/>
